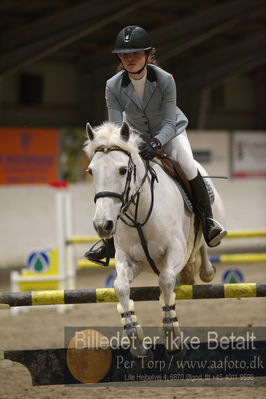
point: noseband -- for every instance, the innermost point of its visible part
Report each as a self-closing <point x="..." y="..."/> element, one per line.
<point x="103" y="194"/>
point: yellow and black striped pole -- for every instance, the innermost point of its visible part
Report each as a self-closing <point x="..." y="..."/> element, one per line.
<point x="105" y="295"/>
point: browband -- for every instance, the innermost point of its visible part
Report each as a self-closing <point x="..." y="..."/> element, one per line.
<point x="106" y="149"/>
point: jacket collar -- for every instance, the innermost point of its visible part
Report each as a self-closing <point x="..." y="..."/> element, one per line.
<point x="149" y="88"/>
<point x="151" y="76"/>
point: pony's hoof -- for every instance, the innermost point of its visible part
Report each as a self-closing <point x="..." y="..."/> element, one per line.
<point x="207" y="278"/>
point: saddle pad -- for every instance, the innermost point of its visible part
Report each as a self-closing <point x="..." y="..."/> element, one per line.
<point x="186" y="199"/>
<point x="175" y="171"/>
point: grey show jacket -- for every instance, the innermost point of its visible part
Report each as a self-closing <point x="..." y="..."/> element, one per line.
<point x="157" y="115"/>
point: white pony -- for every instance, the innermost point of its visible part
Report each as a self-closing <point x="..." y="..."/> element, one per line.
<point x="131" y="193"/>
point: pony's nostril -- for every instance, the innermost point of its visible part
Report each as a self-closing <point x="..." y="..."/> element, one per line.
<point x="109" y="225"/>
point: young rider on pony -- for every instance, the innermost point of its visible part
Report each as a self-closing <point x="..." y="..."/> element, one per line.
<point x="144" y="95"/>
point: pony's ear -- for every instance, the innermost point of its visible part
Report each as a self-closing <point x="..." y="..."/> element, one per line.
<point x="124" y="131"/>
<point x="89" y="131"/>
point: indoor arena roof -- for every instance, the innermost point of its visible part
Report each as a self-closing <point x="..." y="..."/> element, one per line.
<point x="203" y="39"/>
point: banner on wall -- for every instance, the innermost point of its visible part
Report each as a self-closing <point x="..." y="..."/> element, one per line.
<point x="249" y="154"/>
<point x="28" y="155"/>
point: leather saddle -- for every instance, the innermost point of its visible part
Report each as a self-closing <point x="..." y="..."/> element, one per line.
<point x="173" y="169"/>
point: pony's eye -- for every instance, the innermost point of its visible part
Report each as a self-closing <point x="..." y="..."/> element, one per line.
<point x="89" y="170"/>
<point x="123" y="170"/>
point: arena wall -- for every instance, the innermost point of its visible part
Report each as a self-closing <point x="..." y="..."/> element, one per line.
<point x="27" y="213"/>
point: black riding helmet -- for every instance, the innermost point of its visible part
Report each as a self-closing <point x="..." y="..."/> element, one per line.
<point x="132" y="38"/>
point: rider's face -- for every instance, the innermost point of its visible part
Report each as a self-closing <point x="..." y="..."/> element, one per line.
<point x="133" y="62"/>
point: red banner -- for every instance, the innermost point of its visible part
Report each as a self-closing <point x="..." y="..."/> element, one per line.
<point x="249" y="154"/>
<point x="28" y="155"/>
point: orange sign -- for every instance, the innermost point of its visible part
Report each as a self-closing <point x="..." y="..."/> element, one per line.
<point x="28" y="155"/>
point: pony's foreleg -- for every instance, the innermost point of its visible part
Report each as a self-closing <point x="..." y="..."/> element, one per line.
<point x="125" y="308"/>
<point x="170" y="326"/>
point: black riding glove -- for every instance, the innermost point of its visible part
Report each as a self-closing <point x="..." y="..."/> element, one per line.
<point x="149" y="150"/>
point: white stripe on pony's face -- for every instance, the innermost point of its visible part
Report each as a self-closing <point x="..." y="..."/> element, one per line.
<point x="109" y="171"/>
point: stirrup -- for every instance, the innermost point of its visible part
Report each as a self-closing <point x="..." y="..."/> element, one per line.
<point x="216" y="240"/>
<point x="105" y="262"/>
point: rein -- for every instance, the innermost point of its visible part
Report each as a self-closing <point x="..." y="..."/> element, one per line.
<point x="133" y="199"/>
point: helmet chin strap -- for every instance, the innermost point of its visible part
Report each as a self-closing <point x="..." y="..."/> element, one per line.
<point x="140" y="70"/>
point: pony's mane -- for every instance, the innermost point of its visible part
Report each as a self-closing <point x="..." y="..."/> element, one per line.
<point x="108" y="134"/>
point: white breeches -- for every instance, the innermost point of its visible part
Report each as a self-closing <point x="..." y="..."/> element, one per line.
<point x="179" y="148"/>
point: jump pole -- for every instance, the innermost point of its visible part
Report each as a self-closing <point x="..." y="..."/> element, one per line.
<point x="75" y="239"/>
<point x="106" y="295"/>
<point x="60" y="224"/>
<point x="248" y="233"/>
<point x="85" y="264"/>
<point x="231" y="258"/>
<point x="70" y="252"/>
<point x="239" y="258"/>
<point x="85" y="239"/>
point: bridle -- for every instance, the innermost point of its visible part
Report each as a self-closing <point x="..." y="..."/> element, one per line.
<point x="127" y="199"/>
<point x="123" y="197"/>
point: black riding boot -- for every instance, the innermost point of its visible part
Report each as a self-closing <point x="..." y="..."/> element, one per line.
<point x="107" y="250"/>
<point x="213" y="232"/>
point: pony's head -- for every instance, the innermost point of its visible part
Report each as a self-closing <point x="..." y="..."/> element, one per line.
<point x="108" y="134"/>
<point x="110" y="149"/>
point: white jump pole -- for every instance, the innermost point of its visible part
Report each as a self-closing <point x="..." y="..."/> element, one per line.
<point x="60" y="225"/>
<point x="70" y="250"/>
